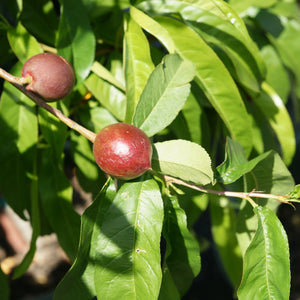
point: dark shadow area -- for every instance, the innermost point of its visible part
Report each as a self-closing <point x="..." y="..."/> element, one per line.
<point x="212" y="283"/>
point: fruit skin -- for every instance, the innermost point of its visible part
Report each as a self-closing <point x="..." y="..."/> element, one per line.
<point x="52" y="76"/>
<point x="122" y="151"/>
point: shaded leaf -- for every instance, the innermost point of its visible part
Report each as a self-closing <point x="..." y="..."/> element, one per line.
<point x="183" y="159"/>
<point x="164" y="95"/>
<point x="182" y="256"/>
<point x="53" y="131"/>
<point x="40" y="18"/>
<point x="223" y="216"/>
<point x="75" y="40"/>
<point x="88" y="172"/>
<point x="78" y="283"/>
<point x="4" y="286"/>
<point x="168" y="289"/>
<point x="18" y="139"/>
<point x="35" y="224"/>
<point x="266" y="272"/>
<point x="22" y="43"/>
<point x="56" y="196"/>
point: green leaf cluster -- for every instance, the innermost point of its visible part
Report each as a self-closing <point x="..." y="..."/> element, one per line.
<point x="215" y="86"/>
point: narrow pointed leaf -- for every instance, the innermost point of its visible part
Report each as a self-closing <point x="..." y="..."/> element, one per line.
<point x="138" y="65"/>
<point x="126" y="247"/>
<point x="275" y="111"/>
<point x="183" y="159"/>
<point x="164" y="95"/>
<point x="220" y="25"/>
<point x="211" y="75"/>
<point x="105" y="74"/>
<point x="266" y="272"/>
<point x="153" y="27"/>
<point x="110" y="96"/>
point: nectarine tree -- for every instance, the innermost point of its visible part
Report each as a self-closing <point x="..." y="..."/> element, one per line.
<point x="184" y="107"/>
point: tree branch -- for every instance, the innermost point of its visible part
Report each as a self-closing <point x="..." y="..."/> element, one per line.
<point x="19" y="82"/>
<point x="241" y="195"/>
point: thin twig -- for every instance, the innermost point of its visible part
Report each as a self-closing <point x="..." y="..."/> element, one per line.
<point x="16" y="81"/>
<point x="242" y="195"/>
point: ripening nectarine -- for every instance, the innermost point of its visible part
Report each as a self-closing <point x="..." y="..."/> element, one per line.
<point x="122" y="151"/>
<point x="52" y="76"/>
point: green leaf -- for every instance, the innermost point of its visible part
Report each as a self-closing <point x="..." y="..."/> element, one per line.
<point x="214" y="80"/>
<point x="78" y="283"/>
<point x="277" y="75"/>
<point x="196" y="119"/>
<point x="105" y="74"/>
<point x="18" y="139"/>
<point x="168" y="289"/>
<point x="211" y="75"/>
<point x="242" y="6"/>
<point x="219" y="25"/>
<point x="4" y="286"/>
<point x="183" y="159"/>
<point x="126" y="245"/>
<point x="56" y="196"/>
<point x="76" y="40"/>
<point x="53" y="131"/>
<point x="138" y="65"/>
<point x="295" y="193"/>
<point x="286" y="43"/>
<point x="235" y="164"/>
<point x="270" y="176"/>
<point x="266" y="272"/>
<point x="153" y="27"/>
<point x="275" y="111"/>
<point x="183" y="252"/>
<point x="35" y="224"/>
<point x="22" y="43"/>
<point x="40" y="18"/>
<point x="95" y="118"/>
<point x="88" y="172"/>
<point x="164" y="95"/>
<point x="108" y="95"/>
<point x="223" y="218"/>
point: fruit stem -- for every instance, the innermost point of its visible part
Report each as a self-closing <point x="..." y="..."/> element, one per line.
<point x="18" y="83"/>
<point x="13" y="79"/>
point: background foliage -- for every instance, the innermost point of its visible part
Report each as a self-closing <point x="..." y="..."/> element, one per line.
<point x="216" y="85"/>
